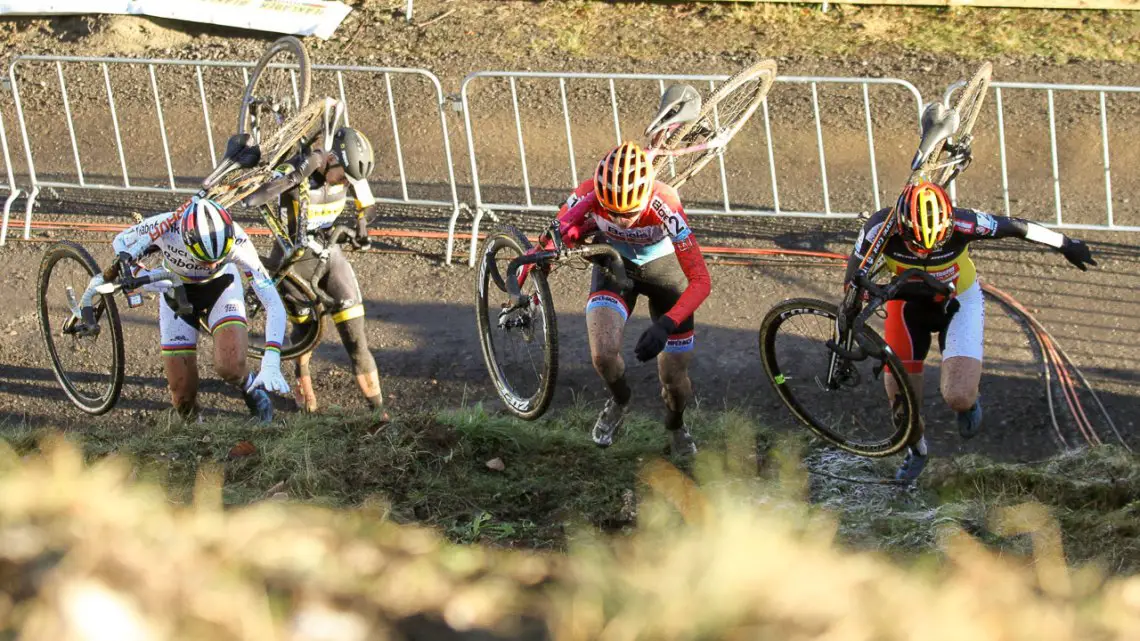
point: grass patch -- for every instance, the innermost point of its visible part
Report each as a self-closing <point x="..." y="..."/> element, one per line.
<point x="479" y="476"/>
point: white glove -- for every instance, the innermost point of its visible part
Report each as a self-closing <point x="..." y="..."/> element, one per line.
<point x="269" y="377"/>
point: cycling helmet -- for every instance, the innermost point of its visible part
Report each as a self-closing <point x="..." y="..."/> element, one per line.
<point x="624" y="180"/>
<point x="354" y="152"/>
<point x="925" y="216"/>
<point x="207" y="230"/>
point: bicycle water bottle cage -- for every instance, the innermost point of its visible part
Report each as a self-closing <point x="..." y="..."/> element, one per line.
<point x="939" y="122"/>
<point x="679" y="104"/>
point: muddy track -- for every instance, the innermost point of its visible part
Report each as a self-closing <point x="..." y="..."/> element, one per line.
<point x="420" y="318"/>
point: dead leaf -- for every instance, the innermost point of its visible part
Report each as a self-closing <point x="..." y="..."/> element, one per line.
<point x="496" y="464"/>
<point x="242" y="448"/>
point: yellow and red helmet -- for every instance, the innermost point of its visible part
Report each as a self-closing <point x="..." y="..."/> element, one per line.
<point x="925" y="216"/>
<point x="624" y="180"/>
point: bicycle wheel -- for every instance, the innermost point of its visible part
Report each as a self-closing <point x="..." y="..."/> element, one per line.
<point x="854" y="414"/>
<point x="520" y="346"/>
<point x="969" y="106"/>
<point x="721" y="116"/>
<point x="278" y="87"/>
<point x="304" y="320"/>
<point x="90" y="369"/>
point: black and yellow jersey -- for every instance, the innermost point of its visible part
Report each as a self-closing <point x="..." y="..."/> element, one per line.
<point x="314" y="203"/>
<point x="950" y="263"/>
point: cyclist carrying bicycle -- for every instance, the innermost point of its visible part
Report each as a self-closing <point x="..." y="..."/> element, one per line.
<point x="932" y="235"/>
<point x="209" y="252"/>
<point x="644" y="221"/>
<point x="312" y="190"/>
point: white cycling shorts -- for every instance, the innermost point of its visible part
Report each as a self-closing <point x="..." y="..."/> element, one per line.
<point x="180" y="337"/>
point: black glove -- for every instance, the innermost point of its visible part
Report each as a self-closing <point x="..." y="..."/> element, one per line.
<point x="241" y="149"/>
<point x="362" y="241"/>
<point x="653" y="340"/>
<point x="1077" y="253"/>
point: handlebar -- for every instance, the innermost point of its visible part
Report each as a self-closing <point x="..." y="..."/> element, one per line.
<point x="117" y="276"/>
<point x="589" y="252"/>
<point x="880" y="294"/>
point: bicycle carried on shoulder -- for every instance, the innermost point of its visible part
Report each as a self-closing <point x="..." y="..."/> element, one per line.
<point x="518" y="329"/>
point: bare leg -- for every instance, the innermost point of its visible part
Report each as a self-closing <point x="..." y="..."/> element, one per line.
<point x="960" y="378"/>
<point x="182" y="378"/>
<point x="230" y="342"/>
<point x="303" y="391"/>
<point x="605" y="327"/>
<point x="676" y="387"/>
<point x="916" y="381"/>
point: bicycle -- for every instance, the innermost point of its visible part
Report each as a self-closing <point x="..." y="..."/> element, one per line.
<point x="263" y="116"/>
<point x="685" y="134"/>
<point x="947" y="132"/>
<point x="812" y="353"/>
<point x="524" y="314"/>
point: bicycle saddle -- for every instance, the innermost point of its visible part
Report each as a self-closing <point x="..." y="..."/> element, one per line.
<point x="679" y="104"/>
<point x="939" y="122"/>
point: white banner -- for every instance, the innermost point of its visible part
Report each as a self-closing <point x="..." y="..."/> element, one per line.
<point x="298" y="17"/>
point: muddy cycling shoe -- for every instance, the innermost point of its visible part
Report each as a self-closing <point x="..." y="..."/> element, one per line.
<point x="970" y="421"/>
<point x="611" y="418"/>
<point x="911" y="466"/>
<point x="259" y="404"/>
<point x="681" y="443"/>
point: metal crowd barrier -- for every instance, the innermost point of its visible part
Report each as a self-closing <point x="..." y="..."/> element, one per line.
<point x="13" y="192"/>
<point x="1050" y="91"/>
<point x="482" y="208"/>
<point x="80" y="181"/>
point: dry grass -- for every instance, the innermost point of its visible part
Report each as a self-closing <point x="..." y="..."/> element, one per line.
<point x="88" y="553"/>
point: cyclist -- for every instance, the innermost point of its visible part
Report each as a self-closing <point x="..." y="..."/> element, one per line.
<point x="313" y="189"/>
<point x="644" y="221"/>
<point x="934" y="236"/>
<point x="209" y="252"/>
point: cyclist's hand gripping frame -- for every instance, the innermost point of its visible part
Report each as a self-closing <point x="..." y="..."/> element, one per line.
<point x="879" y="295"/>
<point x="597" y="252"/>
<point x="118" y="276"/>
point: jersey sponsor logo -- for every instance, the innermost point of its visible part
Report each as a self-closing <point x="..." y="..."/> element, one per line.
<point x="673" y="222"/>
<point x="946" y="274"/>
<point x="986" y="225"/>
<point x="633" y="235"/>
<point x="155" y="231"/>
<point x="574" y="199"/>
<point x="231" y="308"/>
<point x="964" y="226"/>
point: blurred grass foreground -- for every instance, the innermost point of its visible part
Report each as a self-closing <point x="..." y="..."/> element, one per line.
<point x="89" y="552"/>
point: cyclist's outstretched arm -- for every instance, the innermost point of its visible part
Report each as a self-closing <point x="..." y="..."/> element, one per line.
<point x="980" y="225"/>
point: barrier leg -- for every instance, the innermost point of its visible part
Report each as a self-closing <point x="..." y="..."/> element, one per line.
<point x="451" y="231"/>
<point x="28" y="212"/>
<point x="475" y="232"/>
<point x="7" y="212"/>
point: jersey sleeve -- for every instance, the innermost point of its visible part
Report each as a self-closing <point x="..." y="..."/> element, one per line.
<point x="874" y="232"/>
<point x="688" y="252"/>
<point x="979" y="225"/>
<point x="245" y="256"/>
<point x="574" y="219"/>
<point x="135" y="240"/>
<point x="362" y="196"/>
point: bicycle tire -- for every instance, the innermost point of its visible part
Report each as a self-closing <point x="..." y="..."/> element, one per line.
<point x="969" y="106"/>
<point x="91" y="405"/>
<point x="687" y="135"/>
<point x="308" y="341"/>
<point x="294" y="49"/>
<point x="533" y="406"/>
<point x="769" y="329"/>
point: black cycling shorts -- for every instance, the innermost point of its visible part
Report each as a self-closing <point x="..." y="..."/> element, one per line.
<point x="661" y="281"/>
<point x="339" y="282"/>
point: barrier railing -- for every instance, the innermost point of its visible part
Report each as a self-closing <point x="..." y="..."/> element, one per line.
<point x="1000" y="96"/>
<point x="13" y="191"/>
<point x="482" y="208"/>
<point x="189" y="137"/>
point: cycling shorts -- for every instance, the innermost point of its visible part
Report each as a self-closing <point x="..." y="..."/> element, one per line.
<point x="660" y="280"/>
<point x="339" y="282"/>
<point x="910" y="324"/>
<point x="220" y="301"/>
